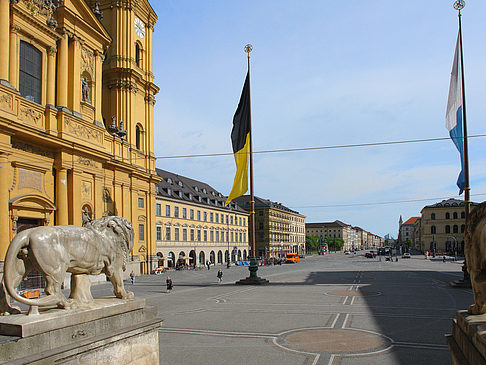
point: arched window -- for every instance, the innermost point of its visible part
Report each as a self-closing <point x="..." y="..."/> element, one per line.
<point x="138" y="55"/>
<point x="454" y="215"/>
<point x="138" y="137"/>
<point x="30" y="72"/>
<point x="448" y="215"/>
<point x="447" y="229"/>
<point x="463" y="227"/>
<point x="432" y="216"/>
<point x="455" y="229"/>
<point x="433" y="230"/>
<point x="463" y="215"/>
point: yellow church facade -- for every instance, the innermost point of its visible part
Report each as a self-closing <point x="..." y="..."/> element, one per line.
<point x="76" y="117"/>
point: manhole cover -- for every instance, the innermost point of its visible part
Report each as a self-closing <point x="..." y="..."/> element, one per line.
<point x="336" y="340"/>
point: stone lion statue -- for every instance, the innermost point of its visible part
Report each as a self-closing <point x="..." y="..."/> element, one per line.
<point x="475" y="247"/>
<point x="100" y="246"/>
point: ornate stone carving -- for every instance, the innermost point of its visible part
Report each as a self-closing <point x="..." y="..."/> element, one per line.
<point x="86" y="162"/>
<point x="29" y="148"/>
<point x="87" y="61"/>
<point x="30" y="115"/>
<point x="6" y="102"/>
<point x="101" y="246"/>
<point x="29" y="179"/>
<point x="42" y="7"/>
<point x="86" y="190"/>
<point x="83" y="132"/>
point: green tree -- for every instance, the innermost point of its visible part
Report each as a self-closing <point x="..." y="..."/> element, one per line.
<point x="312" y="243"/>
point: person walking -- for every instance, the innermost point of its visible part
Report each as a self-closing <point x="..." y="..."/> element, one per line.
<point x="132" y="277"/>
<point x="169" y="284"/>
<point x="208" y="264"/>
<point x="220" y="276"/>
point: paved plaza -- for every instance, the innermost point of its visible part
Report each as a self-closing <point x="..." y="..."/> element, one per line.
<point x="335" y="309"/>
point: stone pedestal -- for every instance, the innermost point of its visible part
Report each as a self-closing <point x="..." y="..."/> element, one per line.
<point x="110" y="331"/>
<point x="468" y="340"/>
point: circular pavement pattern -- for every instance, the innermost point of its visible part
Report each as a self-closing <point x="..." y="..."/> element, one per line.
<point x="336" y="341"/>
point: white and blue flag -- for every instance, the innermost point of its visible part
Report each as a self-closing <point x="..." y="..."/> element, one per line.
<point x="454" y="112"/>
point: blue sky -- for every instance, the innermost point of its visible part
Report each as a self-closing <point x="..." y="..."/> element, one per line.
<point x="322" y="73"/>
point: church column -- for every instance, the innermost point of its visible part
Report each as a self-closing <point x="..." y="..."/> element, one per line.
<point x="51" y="76"/>
<point x="62" y="212"/>
<point x="62" y="76"/>
<point x="14" y="57"/>
<point x="4" y="37"/>
<point x="4" y="209"/>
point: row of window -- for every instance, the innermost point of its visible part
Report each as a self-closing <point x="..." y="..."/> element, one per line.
<point x="200" y="235"/>
<point x="455" y="229"/>
<point x="211" y="216"/>
<point x="455" y="215"/>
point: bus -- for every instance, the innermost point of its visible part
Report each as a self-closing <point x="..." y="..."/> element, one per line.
<point x="292" y="258"/>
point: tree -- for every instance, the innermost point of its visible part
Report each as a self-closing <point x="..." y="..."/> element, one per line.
<point x="312" y="243"/>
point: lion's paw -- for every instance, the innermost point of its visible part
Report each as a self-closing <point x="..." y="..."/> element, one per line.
<point x="129" y="295"/>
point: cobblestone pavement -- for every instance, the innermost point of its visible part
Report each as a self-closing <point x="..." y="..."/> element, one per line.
<point x="335" y="309"/>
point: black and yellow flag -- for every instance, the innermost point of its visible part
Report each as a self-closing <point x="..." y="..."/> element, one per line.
<point x="240" y="137"/>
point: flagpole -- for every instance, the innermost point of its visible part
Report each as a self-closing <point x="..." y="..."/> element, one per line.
<point x="466" y="281"/>
<point x="248" y="49"/>
<point x="459" y="5"/>
<point x="253" y="279"/>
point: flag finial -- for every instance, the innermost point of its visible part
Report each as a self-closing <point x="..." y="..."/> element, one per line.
<point x="459" y="5"/>
<point x="248" y="49"/>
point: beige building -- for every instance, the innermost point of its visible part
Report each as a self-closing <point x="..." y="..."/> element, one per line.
<point x="353" y="237"/>
<point x="278" y="229"/>
<point x="336" y="229"/>
<point x="442" y="226"/>
<point x="194" y="226"/>
<point x="76" y="116"/>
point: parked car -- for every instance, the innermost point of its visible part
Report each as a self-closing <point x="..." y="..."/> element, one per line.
<point x="406" y="255"/>
<point x="369" y="255"/>
<point x="346" y="252"/>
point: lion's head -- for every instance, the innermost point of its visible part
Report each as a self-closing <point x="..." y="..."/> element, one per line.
<point x="119" y="225"/>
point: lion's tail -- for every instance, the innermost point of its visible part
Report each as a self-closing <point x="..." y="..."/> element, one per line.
<point x="17" y="249"/>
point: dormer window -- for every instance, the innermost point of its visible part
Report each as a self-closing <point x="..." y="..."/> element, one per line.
<point x="196" y="188"/>
<point x="169" y="180"/>
<point x="200" y="199"/>
<point x="169" y="191"/>
<point x="180" y="194"/>
<point x="204" y="190"/>
<point x="190" y="196"/>
<point x="180" y="184"/>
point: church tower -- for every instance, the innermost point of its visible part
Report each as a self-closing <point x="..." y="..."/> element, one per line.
<point x="128" y="113"/>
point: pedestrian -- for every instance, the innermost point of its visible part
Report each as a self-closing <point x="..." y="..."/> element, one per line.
<point x="208" y="264"/>
<point x="220" y="276"/>
<point x="443" y="259"/>
<point x="169" y="284"/>
<point x="132" y="277"/>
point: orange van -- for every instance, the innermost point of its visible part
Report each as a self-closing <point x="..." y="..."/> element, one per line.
<point x="292" y="258"/>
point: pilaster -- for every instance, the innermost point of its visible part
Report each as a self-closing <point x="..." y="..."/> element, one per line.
<point x="4" y="209"/>
<point x="4" y="37"/>
<point x="62" y="209"/>
<point x="98" y="86"/>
